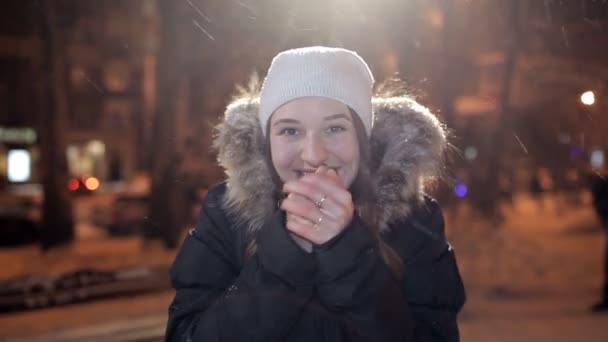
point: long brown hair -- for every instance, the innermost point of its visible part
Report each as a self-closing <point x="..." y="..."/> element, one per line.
<point x="365" y="200"/>
<point x="363" y="197"/>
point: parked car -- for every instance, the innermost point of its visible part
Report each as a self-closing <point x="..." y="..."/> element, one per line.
<point x="18" y="220"/>
<point x="83" y="185"/>
<point x="128" y="214"/>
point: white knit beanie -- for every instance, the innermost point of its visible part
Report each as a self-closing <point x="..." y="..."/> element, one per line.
<point x="335" y="73"/>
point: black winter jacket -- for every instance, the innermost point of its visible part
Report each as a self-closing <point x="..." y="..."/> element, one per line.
<point x="342" y="291"/>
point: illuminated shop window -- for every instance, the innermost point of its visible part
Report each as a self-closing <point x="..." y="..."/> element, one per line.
<point x="19" y="165"/>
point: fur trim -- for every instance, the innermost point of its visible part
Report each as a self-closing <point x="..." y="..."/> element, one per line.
<point x="407" y="147"/>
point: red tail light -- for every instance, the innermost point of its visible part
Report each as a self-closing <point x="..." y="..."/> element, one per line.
<point x="73" y="184"/>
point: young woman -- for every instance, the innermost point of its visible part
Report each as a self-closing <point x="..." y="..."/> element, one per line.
<point x="322" y="231"/>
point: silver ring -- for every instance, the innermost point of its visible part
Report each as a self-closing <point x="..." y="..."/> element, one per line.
<point x="319" y="203"/>
<point x="316" y="225"/>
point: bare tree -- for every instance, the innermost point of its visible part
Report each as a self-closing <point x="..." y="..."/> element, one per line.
<point x="164" y="219"/>
<point x="57" y="218"/>
<point x="488" y="203"/>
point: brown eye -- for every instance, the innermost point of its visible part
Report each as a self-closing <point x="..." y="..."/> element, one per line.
<point x="288" y="131"/>
<point x="336" y="129"/>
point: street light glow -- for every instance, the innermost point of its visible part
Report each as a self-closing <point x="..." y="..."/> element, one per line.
<point x="470" y="153"/>
<point x="588" y="98"/>
<point x="92" y="183"/>
<point x="19" y="165"/>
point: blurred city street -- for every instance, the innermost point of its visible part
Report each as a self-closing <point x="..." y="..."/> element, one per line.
<point x="111" y="114"/>
<point x="532" y="278"/>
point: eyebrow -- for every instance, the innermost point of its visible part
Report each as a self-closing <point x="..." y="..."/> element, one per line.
<point x="338" y="116"/>
<point x="280" y="121"/>
<point x="327" y="118"/>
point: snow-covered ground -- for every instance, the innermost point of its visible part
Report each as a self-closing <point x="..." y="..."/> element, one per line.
<point x="530" y="278"/>
<point x="533" y="277"/>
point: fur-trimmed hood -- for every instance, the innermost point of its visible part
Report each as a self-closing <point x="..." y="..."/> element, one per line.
<point x="407" y="149"/>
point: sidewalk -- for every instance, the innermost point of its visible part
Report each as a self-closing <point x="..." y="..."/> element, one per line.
<point x="104" y="254"/>
<point x="85" y="319"/>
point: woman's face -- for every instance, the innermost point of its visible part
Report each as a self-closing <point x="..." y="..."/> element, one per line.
<point x="312" y="131"/>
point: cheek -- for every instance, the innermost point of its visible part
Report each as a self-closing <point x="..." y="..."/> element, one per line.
<point x="282" y="154"/>
<point x="346" y="149"/>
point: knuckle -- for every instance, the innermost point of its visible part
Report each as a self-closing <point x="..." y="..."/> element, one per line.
<point x="306" y="213"/>
<point x="287" y="203"/>
<point x="293" y="226"/>
<point x="311" y="188"/>
<point x="348" y="197"/>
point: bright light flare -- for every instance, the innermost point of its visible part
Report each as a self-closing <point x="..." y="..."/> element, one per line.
<point x="588" y="98"/>
<point x="92" y="183"/>
<point x="19" y="165"/>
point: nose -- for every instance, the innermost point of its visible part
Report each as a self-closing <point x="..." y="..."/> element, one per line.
<point x="314" y="151"/>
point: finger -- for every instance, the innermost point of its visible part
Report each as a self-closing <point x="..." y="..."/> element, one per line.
<point x="305" y="231"/>
<point x="339" y="212"/>
<point x="339" y="202"/>
<point x="299" y="208"/>
<point x="317" y="234"/>
<point x="321" y="170"/>
<point x="295" y="218"/>
<point x="302" y="207"/>
<point x="323" y="185"/>
<point x="336" y="215"/>
<point x="311" y="191"/>
<point x="325" y="171"/>
<point x="315" y="197"/>
<point x="319" y="198"/>
<point x="333" y="175"/>
<point x="298" y="228"/>
<point x="318" y="185"/>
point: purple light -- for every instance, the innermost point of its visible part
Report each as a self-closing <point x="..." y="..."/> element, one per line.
<point x="461" y="190"/>
<point x="576" y="151"/>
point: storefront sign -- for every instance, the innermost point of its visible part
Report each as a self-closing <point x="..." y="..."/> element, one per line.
<point x="13" y="135"/>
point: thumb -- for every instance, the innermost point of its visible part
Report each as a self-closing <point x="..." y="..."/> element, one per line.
<point x="333" y="175"/>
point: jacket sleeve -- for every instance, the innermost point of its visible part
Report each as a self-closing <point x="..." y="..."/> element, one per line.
<point x="433" y="284"/>
<point x="354" y="282"/>
<point x="217" y="301"/>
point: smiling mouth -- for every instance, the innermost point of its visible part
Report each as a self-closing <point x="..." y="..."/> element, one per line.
<point x="302" y="173"/>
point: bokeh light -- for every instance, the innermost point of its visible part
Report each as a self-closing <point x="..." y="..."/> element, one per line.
<point x="19" y="164"/>
<point x="471" y="153"/>
<point x="576" y="151"/>
<point x="73" y="184"/>
<point x="92" y="183"/>
<point x="461" y="190"/>
<point x="588" y="98"/>
<point x="597" y="158"/>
